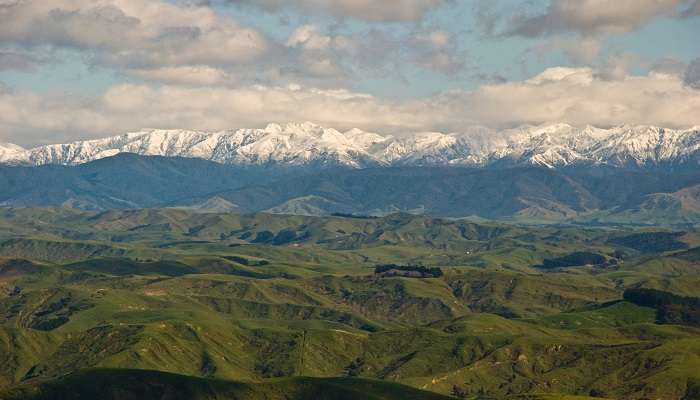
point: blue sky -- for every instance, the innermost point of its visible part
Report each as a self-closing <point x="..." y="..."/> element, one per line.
<point x="345" y="63"/>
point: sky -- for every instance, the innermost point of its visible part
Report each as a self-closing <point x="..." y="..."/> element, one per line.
<point x="80" y="69"/>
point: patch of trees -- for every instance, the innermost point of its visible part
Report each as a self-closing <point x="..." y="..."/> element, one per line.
<point x="671" y="308"/>
<point x="355" y="367"/>
<point x="285" y="236"/>
<point x="579" y="258"/>
<point x="263" y="237"/>
<point x="410" y="271"/>
<point x="652" y="242"/>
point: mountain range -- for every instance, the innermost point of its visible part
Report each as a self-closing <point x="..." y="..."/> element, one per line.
<point x="629" y="175"/>
<point x="307" y="144"/>
<point x="590" y="194"/>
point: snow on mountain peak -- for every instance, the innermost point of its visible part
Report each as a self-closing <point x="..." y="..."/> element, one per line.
<point x="11" y="152"/>
<point x="548" y="145"/>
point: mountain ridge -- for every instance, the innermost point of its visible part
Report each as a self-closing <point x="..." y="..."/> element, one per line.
<point x="590" y="194"/>
<point x="308" y="144"/>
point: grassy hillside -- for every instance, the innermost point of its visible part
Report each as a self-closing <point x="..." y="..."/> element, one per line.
<point x="152" y="385"/>
<point x="222" y="298"/>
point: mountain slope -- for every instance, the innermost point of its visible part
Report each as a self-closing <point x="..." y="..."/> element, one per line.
<point x="122" y="181"/>
<point x="306" y="144"/>
<point x="537" y="193"/>
<point x="532" y="193"/>
<point x="436" y="191"/>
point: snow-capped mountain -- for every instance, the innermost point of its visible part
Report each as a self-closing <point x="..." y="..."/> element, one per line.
<point x="11" y="152"/>
<point x="292" y="144"/>
<point x="551" y="146"/>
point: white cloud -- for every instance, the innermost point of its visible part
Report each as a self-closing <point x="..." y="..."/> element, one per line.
<point x="616" y="67"/>
<point x="134" y="33"/>
<point x="339" y="55"/>
<point x="668" y="65"/>
<point x="200" y="75"/>
<point x="437" y="51"/>
<point x="577" y="96"/>
<point x="580" y="96"/>
<point x="320" y="54"/>
<point x="594" y="17"/>
<point x="371" y="10"/>
<point x="309" y="37"/>
<point x="181" y="43"/>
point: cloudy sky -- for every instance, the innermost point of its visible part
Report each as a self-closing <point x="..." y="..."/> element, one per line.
<point x="77" y="69"/>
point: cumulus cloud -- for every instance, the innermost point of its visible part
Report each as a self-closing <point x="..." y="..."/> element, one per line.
<point x="437" y="51"/>
<point x="371" y="10"/>
<point x="132" y="33"/>
<point x="200" y="75"/>
<point x="668" y="65"/>
<point x="187" y="42"/>
<point x="338" y="55"/>
<point x="617" y="67"/>
<point x="577" y="96"/>
<point x="594" y="17"/>
<point x="320" y="54"/>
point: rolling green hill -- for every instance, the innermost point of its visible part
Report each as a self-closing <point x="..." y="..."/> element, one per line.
<point x="152" y="385"/>
<point x="223" y="298"/>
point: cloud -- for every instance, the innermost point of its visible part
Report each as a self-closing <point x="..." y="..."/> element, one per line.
<point x="668" y="65"/>
<point x="370" y="10"/>
<point x="578" y="96"/>
<point x="693" y="9"/>
<point x="692" y="74"/>
<point x="617" y="67"/>
<point x="132" y="33"/>
<point x="201" y="75"/>
<point x="437" y="51"/>
<point x="320" y="54"/>
<point x="374" y="50"/>
<point x="187" y="42"/>
<point x="595" y="17"/>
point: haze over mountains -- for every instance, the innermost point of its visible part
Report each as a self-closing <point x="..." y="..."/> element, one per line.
<point x="306" y="144"/>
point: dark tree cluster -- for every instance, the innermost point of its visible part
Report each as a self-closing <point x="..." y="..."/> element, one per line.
<point x="355" y="367"/>
<point x="408" y="271"/>
<point x="283" y="237"/>
<point x="576" y="259"/>
<point x="652" y="242"/>
<point x="671" y="308"/>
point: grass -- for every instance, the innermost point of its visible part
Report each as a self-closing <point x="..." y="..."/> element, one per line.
<point x="180" y="298"/>
<point x="613" y="315"/>
<point x="122" y="384"/>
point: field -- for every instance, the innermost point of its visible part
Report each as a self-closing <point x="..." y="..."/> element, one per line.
<point x="217" y="306"/>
